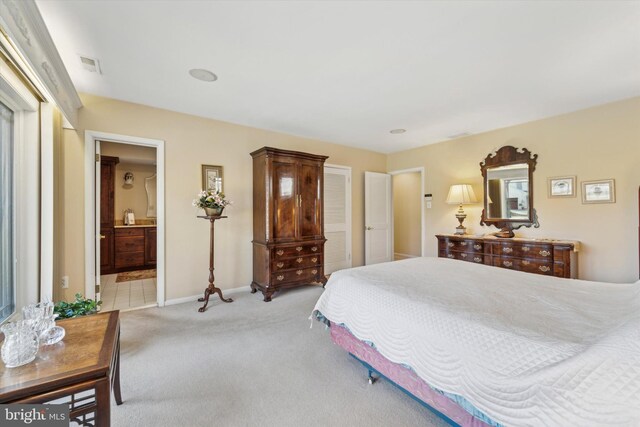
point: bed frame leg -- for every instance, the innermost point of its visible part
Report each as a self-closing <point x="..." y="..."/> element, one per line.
<point x="371" y="378"/>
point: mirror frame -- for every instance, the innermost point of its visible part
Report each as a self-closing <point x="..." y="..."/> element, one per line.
<point x="509" y="155"/>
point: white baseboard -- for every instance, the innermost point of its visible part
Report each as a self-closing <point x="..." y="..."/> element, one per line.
<point x="398" y="256"/>
<point x="194" y="298"/>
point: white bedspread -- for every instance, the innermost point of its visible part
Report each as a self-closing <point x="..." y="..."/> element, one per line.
<point x="526" y="349"/>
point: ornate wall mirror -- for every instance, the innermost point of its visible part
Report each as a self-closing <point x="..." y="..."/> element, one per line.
<point x="150" y="185"/>
<point x="508" y="190"/>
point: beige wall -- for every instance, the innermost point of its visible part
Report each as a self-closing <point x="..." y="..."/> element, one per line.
<point x="600" y="142"/>
<point x="407" y="214"/>
<point x="190" y="142"/>
<point x="133" y="196"/>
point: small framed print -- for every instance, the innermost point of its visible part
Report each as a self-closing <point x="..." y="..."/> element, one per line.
<point x="212" y="178"/>
<point x="562" y="186"/>
<point x="601" y="191"/>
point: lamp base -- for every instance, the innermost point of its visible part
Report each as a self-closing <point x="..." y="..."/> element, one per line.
<point x="461" y="230"/>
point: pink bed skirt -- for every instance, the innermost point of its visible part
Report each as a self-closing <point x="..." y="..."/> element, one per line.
<point x="404" y="378"/>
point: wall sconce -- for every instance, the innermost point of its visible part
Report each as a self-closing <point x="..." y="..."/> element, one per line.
<point x="128" y="179"/>
<point x="461" y="194"/>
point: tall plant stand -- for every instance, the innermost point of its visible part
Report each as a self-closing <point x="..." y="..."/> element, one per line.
<point x="211" y="288"/>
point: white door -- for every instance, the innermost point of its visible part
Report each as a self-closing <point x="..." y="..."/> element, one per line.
<point x="377" y="218"/>
<point x="95" y="292"/>
<point x="337" y="218"/>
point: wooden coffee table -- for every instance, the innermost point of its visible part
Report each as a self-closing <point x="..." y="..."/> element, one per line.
<point x="80" y="370"/>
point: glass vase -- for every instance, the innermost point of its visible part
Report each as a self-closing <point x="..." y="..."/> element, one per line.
<point x="20" y="344"/>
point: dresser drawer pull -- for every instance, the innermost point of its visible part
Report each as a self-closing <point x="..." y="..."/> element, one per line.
<point x="544" y="253"/>
<point x="280" y="277"/>
<point x="298" y="260"/>
<point x="280" y="264"/>
<point x="463" y="255"/>
<point x="314" y="259"/>
<point x="280" y="252"/>
<point x="525" y="249"/>
<point x="299" y="272"/>
<point x="477" y="259"/>
<point x="314" y="249"/>
<point x="507" y="263"/>
<point x="298" y="248"/>
<point x="507" y="250"/>
<point x="477" y="247"/>
<point x="314" y="271"/>
<point x="544" y="268"/>
<point x="463" y="243"/>
<point x="525" y="262"/>
<point x="450" y="256"/>
<point x="451" y="244"/>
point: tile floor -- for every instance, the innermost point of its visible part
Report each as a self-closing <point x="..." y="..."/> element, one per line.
<point x="126" y="295"/>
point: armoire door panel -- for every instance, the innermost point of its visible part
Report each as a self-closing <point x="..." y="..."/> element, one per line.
<point x="284" y="201"/>
<point x="310" y="188"/>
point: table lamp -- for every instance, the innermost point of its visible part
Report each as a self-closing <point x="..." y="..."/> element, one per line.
<point x="461" y="194"/>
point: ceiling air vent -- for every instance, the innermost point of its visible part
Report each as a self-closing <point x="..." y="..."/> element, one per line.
<point x="90" y="64"/>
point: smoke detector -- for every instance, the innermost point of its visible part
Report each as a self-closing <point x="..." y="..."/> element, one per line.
<point x="203" y="75"/>
<point x="90" y="64"/>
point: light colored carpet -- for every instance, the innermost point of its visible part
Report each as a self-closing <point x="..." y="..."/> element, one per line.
<point x="249" y="363"/>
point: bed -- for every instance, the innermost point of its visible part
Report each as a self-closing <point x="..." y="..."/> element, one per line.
<point x="483" y="346"/>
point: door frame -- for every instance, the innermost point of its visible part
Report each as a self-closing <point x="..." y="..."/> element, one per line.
<point x="422" y="216"/>
<point x="348" y="213"/>
<point x="92" y="273"/>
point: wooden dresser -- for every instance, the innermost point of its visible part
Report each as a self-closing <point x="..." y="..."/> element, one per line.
<point x="288" y="228"/>
<point x="557" y="258"/>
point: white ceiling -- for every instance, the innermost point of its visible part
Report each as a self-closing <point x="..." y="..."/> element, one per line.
<point x="350" y="71"/>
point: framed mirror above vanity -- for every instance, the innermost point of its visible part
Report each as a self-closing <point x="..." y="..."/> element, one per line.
<point x="508" y="190"/>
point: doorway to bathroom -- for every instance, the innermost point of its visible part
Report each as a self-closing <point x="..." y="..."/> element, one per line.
<point x="408" y="213"/>
<point x="126" y="211"/>
<point x="128" y="234"/>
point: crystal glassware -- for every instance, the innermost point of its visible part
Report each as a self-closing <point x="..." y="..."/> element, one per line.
<point x="20" y="344"/>
<point x="44" y="322"/>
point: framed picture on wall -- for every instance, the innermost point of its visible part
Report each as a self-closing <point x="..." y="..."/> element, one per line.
<point x="212" y="178"/>
<point x="601" y="191"/>
<point x="561" y="186"/>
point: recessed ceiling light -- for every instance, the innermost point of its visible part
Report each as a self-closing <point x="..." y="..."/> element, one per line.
<point x="397" y="131"/>
<point x="204" y="75"/>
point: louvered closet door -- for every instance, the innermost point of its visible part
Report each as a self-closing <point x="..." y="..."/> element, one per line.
<point x="337" y="219"/>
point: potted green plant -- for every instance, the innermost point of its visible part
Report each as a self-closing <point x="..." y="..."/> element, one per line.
<point x="80" y="307"/>
<point x="212" y="201"/>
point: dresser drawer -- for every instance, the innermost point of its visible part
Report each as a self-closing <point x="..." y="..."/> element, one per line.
<point x="129" y="259"/>
<point x="298" y="262"/>
<point x="300" y="275"/>
<point x="466" y="245"/>
<point x="463" y="256"/>
<point x="526" y="265"/>
<point x="297" y="250"/>
<point x="526" y="250"/>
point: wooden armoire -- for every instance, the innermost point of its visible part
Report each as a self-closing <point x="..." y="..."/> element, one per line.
<point x="288" y="226"/>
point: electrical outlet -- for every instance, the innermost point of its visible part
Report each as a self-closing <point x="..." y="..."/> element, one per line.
<point x="65" y="282"/>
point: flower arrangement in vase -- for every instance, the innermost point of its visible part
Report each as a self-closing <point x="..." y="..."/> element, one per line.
<point x="213" y="202"/>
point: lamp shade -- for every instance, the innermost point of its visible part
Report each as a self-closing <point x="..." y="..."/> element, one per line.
<point x="461" y="194"/>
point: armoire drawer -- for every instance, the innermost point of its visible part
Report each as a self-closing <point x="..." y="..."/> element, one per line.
<point x="302" y="274"/>
<point x="297" y="250"/>
<point x="297" y="262"/>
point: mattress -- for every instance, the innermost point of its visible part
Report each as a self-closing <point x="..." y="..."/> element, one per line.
<point x="525" y="349"/>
